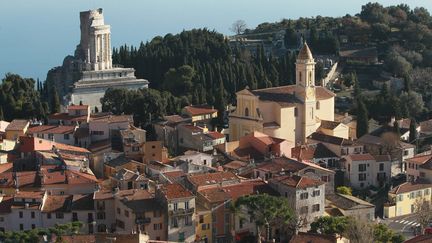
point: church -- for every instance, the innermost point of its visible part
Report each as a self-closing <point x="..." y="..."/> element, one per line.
<point x="290" y="112"/>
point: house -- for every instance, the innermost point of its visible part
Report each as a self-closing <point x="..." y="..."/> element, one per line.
<point x="191" y="137"/>
<point x="257" y="146"/>
<point x="307" y="237"/>
<point x="199" y="113"/>
<point x="404" y="127"/>
<point x="333" y="128"/>
<point x="179" y="206"/>
<point x="132" y="142"/>
<point x="350" y="206"/>
<point x="216" y="201"/>
<point x="339" y="146"/>
<point x="139" y="211"/>
<point x="11" y="181"/>
<point x="16" y="129"/>
<point x="401" y="199"/>
<point x="197" y="182"/>
<point x="154" y="168"/>
<point x="167" y="132"/>
<point x="154" y="151"/>
<point x="238" y="167"/>
<point x="425" y="171"/>
<point x="305" y="196"/>
<point x="286" y="112"/>
<point x="125" y="179"/>
<point x="367" y="55"/>
<point x="413" y="166"/>
<point x="283" y="166"/>
<point x="75" y="114"/>
<point x="121" y="162"/>
<point x="316" y="153"/>
<point x="102" y="126"/>
<point x="60" y="134"/>
<point x="197" y="158"/>
<point x="364" y="170"/>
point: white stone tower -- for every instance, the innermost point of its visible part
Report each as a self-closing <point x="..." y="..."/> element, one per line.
<point x="95" y="44"/>
<point x="305" y="81"/>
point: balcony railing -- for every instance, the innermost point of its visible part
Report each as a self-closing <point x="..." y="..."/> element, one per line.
<point x="182" y="211"/>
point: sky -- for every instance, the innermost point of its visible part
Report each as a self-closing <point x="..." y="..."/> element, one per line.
<point x="35" y="36"/>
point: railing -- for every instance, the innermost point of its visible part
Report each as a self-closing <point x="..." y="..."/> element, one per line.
<point x="182" y="211"/>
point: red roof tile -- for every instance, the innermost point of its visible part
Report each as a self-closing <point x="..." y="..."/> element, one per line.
<point x="296" y="181"/>
<point x="6" y="204"/>
<point x="45" y="129"/>
<point x="216" y="135"/>
<point x="17" y="125"/>
<point x="174" y="191"/>
<point x="77" y="107"/>
<point x="57" y="203"/>
<point x="199" y="110"/>
<point x="212" y="178"/>
<point x="409" y="187"/>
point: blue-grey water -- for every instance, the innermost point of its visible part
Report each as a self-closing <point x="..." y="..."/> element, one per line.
<point x="35" y="35"/>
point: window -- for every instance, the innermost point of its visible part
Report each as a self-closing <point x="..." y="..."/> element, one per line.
<point x="205" y="226"/>
<point x="120" y="224"/>
<point x="66" y="136"/>
<point x="241" y="223"/>
<point x="304" y="195"/>
<point x="419" y="194"/>
<point x="32" y="215"/>
<point x="316" y="193"/>
<point x="100" y="215"/>
<point x="99" y="133"/>
<point x="315" y="208"/>
<point x="381" y="166"/>
<point x="295" y="112"/>
<point x="317" y="105"/>
<point x="157" y="226"/>
<point x="246" y="111"/>
<point x="300" y="76"/>
<point x="412" y="195"/>
<point x="362" y="176"/>
<point x="362" y="167"/>
<point x="304" y="210"/>
<point x="118" y="211"/>
<point x="157" y="214"/>
<point x="426" y="192"/>
<point x="201" y="219"/>
<point x="405" y="152"/>
<point x="286" y="194"/>
<point x="135" y="149"/>
<point x="174" y="223"/>
<point x="400" y="197"/>
<point x="181" y="236"/>
<point x="175" y="206"/>
<point x="325" y="178"/>
<point x="188" y="220"/>
<point x="50" y="136"/>
<point x="126" y="213"/>
<point x="20" y="214"/>
<point x="153" y="146"/>
<point x="33" y="226"/>
<point x="21" y="227"/>
<point x="59" y="215"/>
<point x="48" y="215"/>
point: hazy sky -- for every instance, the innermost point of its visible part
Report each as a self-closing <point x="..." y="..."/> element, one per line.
<point x="35" y="35"/>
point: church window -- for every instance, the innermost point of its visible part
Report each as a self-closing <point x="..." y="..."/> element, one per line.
<point x="246" y="111"/>
<point x="318" y="105"/>
<point x="295" y="112"/>
<point x="300" y="76"/>
<point x="310" y="78"/>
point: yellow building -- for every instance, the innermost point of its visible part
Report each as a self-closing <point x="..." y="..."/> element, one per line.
<point x="16" y="129"/>
<point x="403" y="197"/>
<point x="204" y="222"/>
<point x="289" y="112"/>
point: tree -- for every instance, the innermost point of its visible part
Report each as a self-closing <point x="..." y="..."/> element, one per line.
<point x="238" y="27"/>
<point x="412" y="130"/>
<point x="1" y="114"/>
<point x="330" y="225"/>
<point x="359" y="231"/>
<point x="344" y="190"/>
<point x="396" y="128"/>
<point x="423" y="210"/>
<point x="413" y="101"/>
<point x="55" y="102"/>
<point x="382" y="234"/>
<point x="265" y="211"/>
<point x="362" y="119"/>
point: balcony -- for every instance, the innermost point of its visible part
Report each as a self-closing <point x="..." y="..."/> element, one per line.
<point x="181" y="211"/>
<point x="142" y="220"/>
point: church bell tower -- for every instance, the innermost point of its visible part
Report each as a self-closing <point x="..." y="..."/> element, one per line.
<point x="305" y="81"/>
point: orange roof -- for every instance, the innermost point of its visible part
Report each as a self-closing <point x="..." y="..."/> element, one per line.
<point x="77" y="107"/>
<point x="27" y="194"/>
<point x="193" y="128"/>
<point x="361" y="157"/>
<point x="17" y="125"/>
<point x="199" y="110"/>
<point x="211" y="178"/>
<point x="45" y="129"/>
<point x="54" y="203"/>
<point x="62" y="146"/>
<point x="216" y="135"/>
<point x="420" y="159"/>
<point x="66" y="116"/>
<point x="409" y="187"/>
<point x="296" y="181"/>
<point x="174" y="191"/>
<point x="303" y="237"/>
<point x="6" y="167"/>
<point x="281" y="164"/>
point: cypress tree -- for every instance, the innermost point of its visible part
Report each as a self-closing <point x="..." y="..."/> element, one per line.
<point x="412" y="130"/>
<point x="1" y="114"/>
<point x="55" y="102"/>
<point x="396" y="128"/>
<point x="362" y="119"/>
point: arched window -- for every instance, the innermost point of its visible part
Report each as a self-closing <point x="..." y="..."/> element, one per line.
<point x="317" y="105"/>
<point x="246" y="111"/>
<point x="310" y="78"/>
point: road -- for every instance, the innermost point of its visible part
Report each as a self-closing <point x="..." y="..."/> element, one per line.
<point x="403" y="224"/>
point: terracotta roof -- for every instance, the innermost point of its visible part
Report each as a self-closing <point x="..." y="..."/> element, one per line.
<point x="303" y="237"/>
<point x="45" y="129"/>
<point x="285" y="95"/>
<point x="409" y="187"/>
<point x="234" y="165"/>
<point x="281" y="164"/>
<point x="57" y="203"/>
<point x="174" y="119"/>
<point x="329" y="124"/>
<point x="360" y="157"/>
<point x="133" y="194"/>
<point x="66" y="117"/>
<point x="120" y="161"/>
<point x="23" y="179"/>
<point x="17" y="125"/>
<point x="28" y="194"/>
<point x="212" y="178"/>
<point x="310" y="152"/>
<point x="174" y="191"/>
<point x="427" y="165"/>
<point x="174" y="175"/>
<point x="216" y="135"/>
<point x="199" y="110"/>
<point x="103" y="195"/>
<point x="305" y="53"/>
<point x="6" y="167"/>
<point x="296" y="181"/>
<point x="39" y="129"/>
<point x="324" y="138"/>
<point x="420" y="239"/>
<point x="420" y="159"/>
<point x="112" y="118"/>
<point x="143" y="205"/>
<point x="62" y="146"/>
<point x="77" y="107"/>
<point x="192" y="128"/>
<point x="100" y="145"/>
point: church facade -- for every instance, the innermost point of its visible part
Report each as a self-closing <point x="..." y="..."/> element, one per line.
<point x="290" y="112"/>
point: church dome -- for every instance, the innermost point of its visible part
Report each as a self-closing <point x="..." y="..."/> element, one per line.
<point x="305" y="53"/>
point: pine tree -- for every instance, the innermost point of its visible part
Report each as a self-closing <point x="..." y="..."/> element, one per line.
<point x="396" y="128"/>
<point x="412" y="130"/>
<point x="55" y="102"/>
<point x="362" y="119"/>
